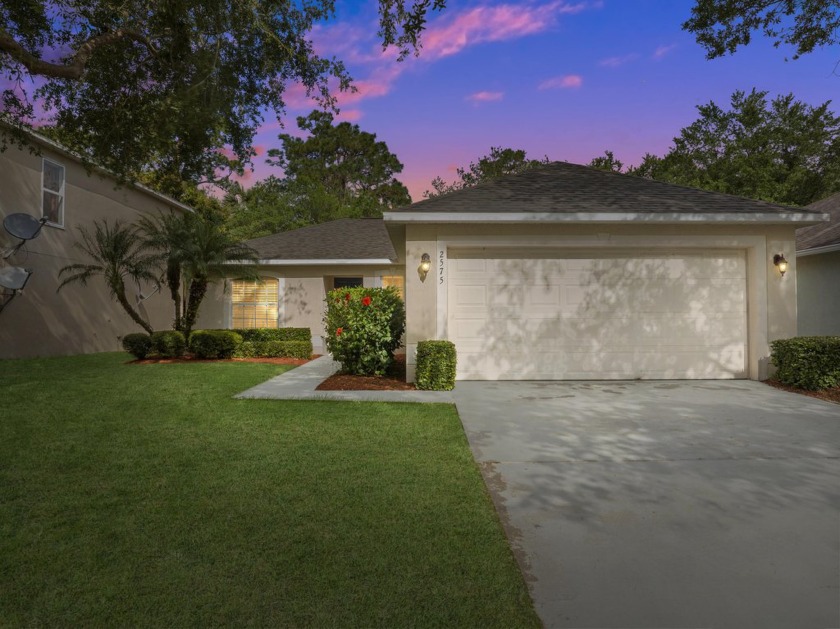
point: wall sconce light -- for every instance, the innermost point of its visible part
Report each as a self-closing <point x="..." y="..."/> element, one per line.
<point x="781" y="263"/>
<point x="425" y="266"/>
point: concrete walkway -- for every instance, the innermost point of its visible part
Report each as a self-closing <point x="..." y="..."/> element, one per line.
<point x="299" y="384"/>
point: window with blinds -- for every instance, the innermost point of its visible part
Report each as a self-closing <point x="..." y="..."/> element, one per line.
<point x="255" y="304"/>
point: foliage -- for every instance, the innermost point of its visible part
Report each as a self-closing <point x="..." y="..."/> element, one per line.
<point x="214" y="343"/>
<point x="137" y="344"/>
<point x="607" y="162"/>
<point x="808" y="362"/>
<point x="436" y="362"/>
<point x="275" y="349"/>
<point x="721" y="26"/>
<point x="266" y="208"/>
<point x="497" y="163"/>
<point x="164" y="86"/>
<point x="275" y="334"/>
<point x="116" y="253"/>
<point x="169" y="343"/>
<point x="364" y="326"/>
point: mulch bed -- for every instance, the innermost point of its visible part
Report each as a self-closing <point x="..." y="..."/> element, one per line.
<point x="828" y="395"/>
<point x="190" y="359"/>
<point x="394" y="380"/>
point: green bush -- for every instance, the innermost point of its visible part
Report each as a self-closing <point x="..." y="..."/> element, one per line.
<point x="214" y="343"/>
<point x="364" y="326"/>
<point x="274" y="349"/>
<point x="169" y="344"/>
<point x="436" y="361"/>
<point x="807" y="362"/>
<point x="137" y="344"/>
<point x="259" y="335"/>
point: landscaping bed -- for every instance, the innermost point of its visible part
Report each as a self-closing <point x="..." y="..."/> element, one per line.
<point x="394" y="380"/>
<point x="828" y="395"/>
<point x="295" y="362"/>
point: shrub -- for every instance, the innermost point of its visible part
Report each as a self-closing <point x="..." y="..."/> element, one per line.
<point x="137" y="344"/>
<point x="436" y="361"/>
<point x="169" y="343"/>
<point x="275" y="334"/>
<point x="274" y="349"/>
<point x="807" y="362"/>
<point x="214" y="343"/>
<point x="364" y="326"/>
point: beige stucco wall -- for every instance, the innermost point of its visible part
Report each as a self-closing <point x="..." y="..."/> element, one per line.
<point x="818" y="294"/>
<point x="79" y="319"/>
<point x="771" y="298"/>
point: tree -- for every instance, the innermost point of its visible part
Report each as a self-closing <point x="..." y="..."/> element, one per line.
<point x="721" y="26"/>
<point x="341" y="162"/>
<point x="164" y="86"/>
<point x="117" y="254"/>
<point x="608" y="162"/>
<point x="498" y="162"/>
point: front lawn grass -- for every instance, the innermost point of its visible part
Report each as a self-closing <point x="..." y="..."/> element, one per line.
<point x="139" y="495"/>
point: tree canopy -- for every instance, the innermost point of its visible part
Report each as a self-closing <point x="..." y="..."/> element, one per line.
<point x="721" y="26"/>
<point x="780" y="150"/>
<point x="165" y="86"/>
<point x="500" y="161"/>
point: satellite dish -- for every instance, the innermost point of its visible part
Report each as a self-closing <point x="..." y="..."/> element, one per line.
<point x="13" y="279"/>
<point x="22" y="226"/>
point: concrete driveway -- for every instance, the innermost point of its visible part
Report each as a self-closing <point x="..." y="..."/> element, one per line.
<point x="665" y="504"/>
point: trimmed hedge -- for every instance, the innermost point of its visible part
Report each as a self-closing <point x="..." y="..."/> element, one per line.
<point x="436" y="361"/>
<point x="274" y="349"/>
<point x="807" y="362"/>
<point x="260" y="335"/>
<point x="138" y="344"/>
<point x="169" y="344"/>
<point x="214" y="343"/>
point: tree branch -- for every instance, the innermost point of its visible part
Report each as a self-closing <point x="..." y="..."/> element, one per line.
<point x="74" y="68"/>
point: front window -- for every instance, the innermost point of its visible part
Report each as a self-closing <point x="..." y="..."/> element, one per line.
<point x="256" y="304"/>
<point x="397" y="281"/>
<point x="52" y="193"/>
<point x="347" y="282"/>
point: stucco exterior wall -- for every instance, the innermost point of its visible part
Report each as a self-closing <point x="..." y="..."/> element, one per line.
<point x="818" y="294"/>
<point x="772" y="307"/>
<point x="79" y="319"/>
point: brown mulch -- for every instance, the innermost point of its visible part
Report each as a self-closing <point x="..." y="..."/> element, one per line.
<point x="394" y="380"/>
<point x="190" y="359"/>
<point x="828" y="395"/>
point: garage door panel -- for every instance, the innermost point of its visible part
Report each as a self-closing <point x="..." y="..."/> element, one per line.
<point x="665" y="316"/>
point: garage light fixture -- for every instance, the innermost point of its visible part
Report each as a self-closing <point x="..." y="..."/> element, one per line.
<point x="425" y="266"/>
<point x="781" y="263"/>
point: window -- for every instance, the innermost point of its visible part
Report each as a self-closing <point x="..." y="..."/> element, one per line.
<point x="52" y="193"/>
<point x="347" y="282"/>
<point x="255" y="304"/>
<point x="397" y="281"/>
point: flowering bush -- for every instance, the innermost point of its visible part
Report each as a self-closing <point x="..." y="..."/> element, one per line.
<point x="364" y="326"/>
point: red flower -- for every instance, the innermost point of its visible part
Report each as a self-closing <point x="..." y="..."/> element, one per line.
<point x="366" y="301"/>
<point x="347" y="296"/>
<point x="338" y="331"/>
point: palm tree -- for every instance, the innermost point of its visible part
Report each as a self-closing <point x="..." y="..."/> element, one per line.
<point x="166" y="233"/>
<point x="117" y="252"/>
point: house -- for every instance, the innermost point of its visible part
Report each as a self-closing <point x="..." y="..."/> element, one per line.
<point x="560" y="272"/>
<point x="818" y="272"/>
<point x="55" y="186"/>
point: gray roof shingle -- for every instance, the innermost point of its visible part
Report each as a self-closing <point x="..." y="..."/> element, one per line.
<point x="825" y="234"/>
<point x="342" y="239"/>
<point x="561" y="187"/>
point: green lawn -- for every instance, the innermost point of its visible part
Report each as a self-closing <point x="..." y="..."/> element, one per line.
<point x="144" y="495"/>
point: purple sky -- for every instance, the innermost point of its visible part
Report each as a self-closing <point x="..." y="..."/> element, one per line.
<point x="566" y="79"/>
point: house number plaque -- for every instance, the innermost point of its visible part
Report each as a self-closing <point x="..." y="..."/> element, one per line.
<point x="440" y="266"/>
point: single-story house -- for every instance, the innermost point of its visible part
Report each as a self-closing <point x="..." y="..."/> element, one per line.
<point x="55" y="186"/>
<point x="560" y="272"/>
<point x="818" y="272"/>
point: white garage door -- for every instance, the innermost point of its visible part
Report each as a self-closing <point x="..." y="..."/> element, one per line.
<point x="578" y="317"/>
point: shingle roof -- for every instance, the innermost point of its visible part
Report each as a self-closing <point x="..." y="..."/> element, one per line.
<point x="825" y="234"/>
<point x="560" y="187"/>
<point x="342" y="239"/>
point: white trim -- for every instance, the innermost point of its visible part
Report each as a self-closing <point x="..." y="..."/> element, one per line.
<point x="440" y="266"/>
<point x="815" y="250"/>
<point x="315" y="262"/>
<point x="605" y="217"/>
<point x="61" y="193"/>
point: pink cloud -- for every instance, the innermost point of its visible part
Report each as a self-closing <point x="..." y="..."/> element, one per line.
<point x="614" y="62"/>
<point x="662" y="51"/>
<point x="484" y="97"/>
<point x="349" y="115"/>
<point x="570" y="81"/>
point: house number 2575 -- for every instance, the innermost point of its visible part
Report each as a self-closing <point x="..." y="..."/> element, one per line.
<point x="440" y="266"/>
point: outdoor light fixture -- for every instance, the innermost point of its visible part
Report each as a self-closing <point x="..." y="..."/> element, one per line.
<point x="781" y="263"/>
<point x="425" y="266"/>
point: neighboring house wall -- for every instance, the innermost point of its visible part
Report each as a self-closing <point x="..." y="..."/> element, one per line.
<point x="771" y="299"/>
<point x="818" y="294"/>
<point x="303" y="291"/>
<point x="79" y="319"/>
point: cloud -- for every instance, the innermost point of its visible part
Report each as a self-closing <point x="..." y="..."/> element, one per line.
<point x="485" y="97"/>
<point x="662" y="51"/>
<point x="349" y="115"/>
<point x="614" y="62"/>
<point x="570" y="81"/>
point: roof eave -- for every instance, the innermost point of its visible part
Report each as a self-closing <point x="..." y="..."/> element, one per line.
<point x="770" y="218"/>
<point x="322" y="262"/>
<point x="817" y="250"/>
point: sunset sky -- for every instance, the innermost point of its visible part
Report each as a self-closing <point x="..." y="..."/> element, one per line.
<point x="566" y="79"/>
